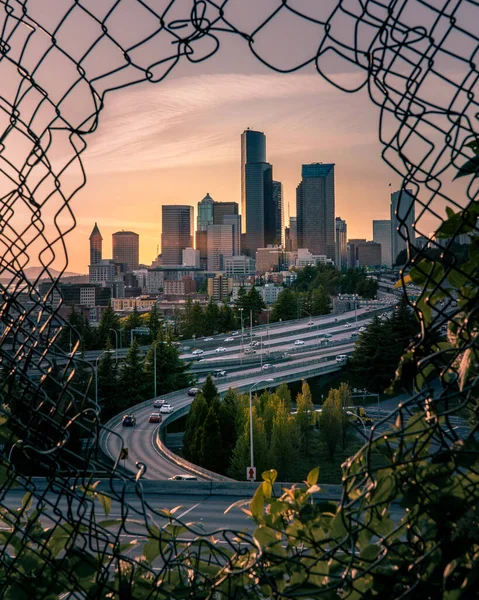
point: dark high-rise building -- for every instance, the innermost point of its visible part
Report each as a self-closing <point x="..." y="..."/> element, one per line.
<point x="126" y="249"/>
<point x="95" y="246"/>
<point x="223" y="209"/>
<point x="293" y="232"/>
<point x="205" y="213"/>
<point x="257" y="205"/>
<point x="402" y="219"/>
<point x="341" y="260"/>
<point x="382" y="235"/>
<point x="177" y="232"/>
<point x="278" y="213"/>
<point x="315" y="209"/>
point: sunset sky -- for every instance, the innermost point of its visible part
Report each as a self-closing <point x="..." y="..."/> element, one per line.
<point x="174" y="141"/>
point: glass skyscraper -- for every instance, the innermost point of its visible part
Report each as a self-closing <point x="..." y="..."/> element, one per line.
<point x="315" y="209"/>
<point x="382" y="235"/>
<point x="402" y="219"/>
<point x="278" y="213"/>
<point x="126" y="249"/>
<point x="177" y="232"/>
<point x="257" y="205"/>
<point x="341" y="260"/>
<point x="205" y="213"/>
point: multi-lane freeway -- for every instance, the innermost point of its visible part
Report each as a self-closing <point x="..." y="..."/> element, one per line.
<point x="142" y="439"/>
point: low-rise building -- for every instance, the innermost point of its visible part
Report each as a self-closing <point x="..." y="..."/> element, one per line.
<point x="239" y="267"/>
<point x="142" y="303"/>
<point x="175" y="287"/>
<point x="268" y="259"/>
<point x="306" y="258"/>
<point x="220" y="287"/>
<point x="270" y="292"/>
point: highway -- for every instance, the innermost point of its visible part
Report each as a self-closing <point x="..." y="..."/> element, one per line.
<point x="141" y="439"/>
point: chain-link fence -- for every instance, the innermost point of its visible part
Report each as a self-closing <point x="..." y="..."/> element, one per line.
<point x="418" y="62"/>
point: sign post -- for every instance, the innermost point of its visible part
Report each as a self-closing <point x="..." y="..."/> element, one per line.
<point x="251" y="473"/>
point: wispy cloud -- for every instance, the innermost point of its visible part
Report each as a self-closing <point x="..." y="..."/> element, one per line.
<point x="197" y="120"/>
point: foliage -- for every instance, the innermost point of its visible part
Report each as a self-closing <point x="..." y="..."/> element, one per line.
<point x="133" y="385"/>
<point x="305" y="416"/>
<point x="251" y="303"/>
<point x="331" y="422"/>
<point x="286" y="307"/>
<point x="197" y="321"/>
<point x="172" y="373"/>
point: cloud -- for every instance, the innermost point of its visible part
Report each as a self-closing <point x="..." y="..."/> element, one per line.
<point x="197" y="120"/>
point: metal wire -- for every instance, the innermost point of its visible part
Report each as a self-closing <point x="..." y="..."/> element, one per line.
<point x="417" y="61"/>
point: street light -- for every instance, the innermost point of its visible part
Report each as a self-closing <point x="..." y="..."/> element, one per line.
<point x="154" y="368"/>
<point x="19" y="443"/>
<point x="96" y="371"/>
<point x="251" y="415"/>
<point x="116" y="343"/>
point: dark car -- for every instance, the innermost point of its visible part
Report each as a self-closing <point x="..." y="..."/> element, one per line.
<point x="219" y="373"/>
<point x="128" y="421"/>
<point x="193" y="391"/>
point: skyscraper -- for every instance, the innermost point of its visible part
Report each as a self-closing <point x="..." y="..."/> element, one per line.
<point x="220" y="246"/>
<point x="235" y="222"/>
<point x="177" y="232"/>
<point x="278" y="213"/>
<point x="402" y="219"/>
<point x="223" y="209"/>
<point x="205" y="213"/>
<point x="341" y="260"/>
<point x="95" y="246"/>
<point x="126" y="249"/>
<point x="257" y="206"/>
<point x="315" y="209"/>
<point x="382" y="235"/>
<point x="293" y="233"/>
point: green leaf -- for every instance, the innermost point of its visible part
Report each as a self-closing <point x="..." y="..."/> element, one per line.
<point x="313" y="477"/>
<point x="338" y="529"/>
<point x="474" y="145"/>
<point x="471" y="167"/>
<point x="111" y="522"/>
<point x="270" y="476"/>
<point x="427" y="273"/>
<point x="58" y="540"/>
<point x="105" y="501"/>
<point x="151" y="550"/>
<point x="266" y="537"/>
<point x="257" y="503"/>
<point x="370" y="553"/>
<point x="27" y="501"/>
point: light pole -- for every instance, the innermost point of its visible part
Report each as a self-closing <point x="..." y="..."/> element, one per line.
<point x="19" y="443"/>
<point x="116" y="343"/>
<point x="242" y="336"/>
<point x="251" y="416"/>
<point x="96" y="371"/>
<point x="266" y="310"/>
<point x="154" y="368"/>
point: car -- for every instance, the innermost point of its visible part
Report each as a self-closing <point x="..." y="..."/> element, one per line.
<point x="347" y="325"/>
<point x="184" y="348"/>
<point x="235" y="333"/>
<point x="354" y="335"/>
<point x="249" y="351"/>
<point x="341" y="358"/>
<point x="267" y="367"/>
<point x="384" y="315"/>
<point x="128" y="421"/>
<point x="208" y="339"/>
<point x="198" y="352"/>
<point x="362" y="329"/>
<point x="299" y="343"/>
<point x="158" y="403"/>
<point x="310" y="322"/>
<point x="327" y="335"/>
<point x="183" y="478"/>
<point x="166" y="408"/>
<point x="254" y="344"/>
<point x="229" y="339"/>
<point x="220" y="349"/>
<point x="202" y="360"/>
<point x="219" y="373"/>
<point x="192" y="392"/>
<point x="155" y="418"/>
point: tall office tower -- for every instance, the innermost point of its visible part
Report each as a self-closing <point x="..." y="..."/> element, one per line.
<point x="95" y="246"/>
<point x="126" y="249"/>
<point x="257" y="206"/>
<point x="402" y="219"/>
<point x="202" y="247"/>
<point x="341" y="260"/>
<point x="205" y="213"/>
<point x="278" y="213"/>
<point x="382" y="235"/>
<point x="223" y="209"/>
<point x="315" y="209"/>
<point x="293" y="233"/>
<point x="177" y="232"/>
<point x="220" y="246"/>
<point x="235" y="222"/>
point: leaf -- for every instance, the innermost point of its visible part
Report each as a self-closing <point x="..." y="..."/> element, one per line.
<point x="370" y="553"/>
<point x="105" y="501"/>
<point x="151" y="550"/>
<point x="266" y="537"/>
<point x="58" y="540"/>
<point x="257" y="503"/>
<point x="474" y="145"/>
<point x="27" y="501"/>
<point x="111" y="522"/>
<point x="404" y="281"/>
<point x="471" y="167"/>
<point x="270" y="476"/>
<point x="338" y="529"/>
<point x="237" y="504"/>
<point x="313" y="477"/>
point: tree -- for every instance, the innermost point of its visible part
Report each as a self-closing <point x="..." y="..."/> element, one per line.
<point x="133" y="384"/>
<point x="211" y="318"/>
<point x="256" y="304"/>
<point x="321" y="302"/>
<point x="304" y="416"/>
<point x="153" y="322"/>
<point x="228" y="418"/>
<point x="210" y="393"/>
<point x="211" y="451"/>
<point x="330" y="422"/>
<point x="286" y="307"/>
<point x="284" y="442"/>
<point x="194" y="429"/>
<point x="109" y="320"/>
<point x="107" y="384"/>
<point x="227" y="319"/>
<point x="345" y="400"/>
<point x="132" y="321"/>
<point x="172" y="373"/>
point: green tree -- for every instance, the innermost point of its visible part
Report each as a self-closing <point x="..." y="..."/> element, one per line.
<point x="211" y="318"/>
<point x="108" y="384"/>
<point x="154" y="322"/>
<point x="194" y="429"/>
<point x="211" y="450"/>
<point x="285" y="395"/>
<point x="227" y="319"/>
<point x="210" y="393"/>
<point x="304" y="416"/>
<point x="330" y="422"/>
<point x="286" y="307"/>
<point x="109" y="320"/>
<point x="285" y="443"/>
<point x="132" y="321"/>
<point x="321" y="302"/>
<point x="345" y="400"/>
<point x="172" y="373"/>
<point x="133" y="385"/>
<point x="256" y="304"/>
<point x="228" y="418"/>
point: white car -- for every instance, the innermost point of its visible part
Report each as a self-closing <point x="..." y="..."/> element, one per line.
<point x="341" y="358"/>
<point x="220" y="349"/>
<point x="347" y="325"/>
<point x="209" y="339"/>
<point x="361" y="329"/>
<point x="235" y="333"/>
<point x="267" y="367"/>
<point x="197" y="352"/>
<point x="299" y="343"/>
<point x="183" y="478"/>
<point x="166" y="408"/>
<point x="158" y="403"/>
<point x="327" y="335"/>
<point x="229" y="339"/>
